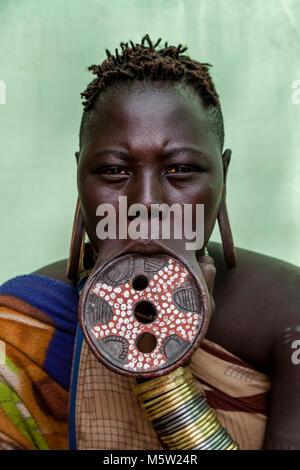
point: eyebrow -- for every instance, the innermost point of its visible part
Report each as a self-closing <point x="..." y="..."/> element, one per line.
<point x="123" y="154"/>
<point x="185" y="149"/>
<point x="120" y="153"/>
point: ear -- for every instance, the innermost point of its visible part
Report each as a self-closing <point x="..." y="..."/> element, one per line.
<point x="77" y="156"/>
<point x="226" y="160"/>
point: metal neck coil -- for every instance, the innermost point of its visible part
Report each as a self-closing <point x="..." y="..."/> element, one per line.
<point x="181" y="415"/>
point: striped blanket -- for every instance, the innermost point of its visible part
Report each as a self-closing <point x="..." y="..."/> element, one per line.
<point x="38" y="318"/>
<point x="41" y="407"/>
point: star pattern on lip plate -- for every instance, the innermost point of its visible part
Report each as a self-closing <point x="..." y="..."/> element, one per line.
<point x="170" y="319"/>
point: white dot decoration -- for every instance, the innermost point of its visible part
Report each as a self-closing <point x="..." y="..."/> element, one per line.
<point x="169" y="320"/>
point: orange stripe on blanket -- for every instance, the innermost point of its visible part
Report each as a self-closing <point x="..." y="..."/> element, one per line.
<point x="26" y="334"/>
<point x="21" y="306"/>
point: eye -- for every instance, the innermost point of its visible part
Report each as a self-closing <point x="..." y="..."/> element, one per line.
<point x="112" y="171"/>
<point x="180" y="169"/>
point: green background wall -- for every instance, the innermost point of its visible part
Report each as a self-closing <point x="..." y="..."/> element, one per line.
<point x="45" y="49"/>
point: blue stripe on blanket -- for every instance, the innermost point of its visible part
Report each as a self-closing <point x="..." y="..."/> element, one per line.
<point x="73" y="391"/>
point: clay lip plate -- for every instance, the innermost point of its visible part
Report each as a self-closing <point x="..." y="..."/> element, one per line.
<point x="115" y="332"/>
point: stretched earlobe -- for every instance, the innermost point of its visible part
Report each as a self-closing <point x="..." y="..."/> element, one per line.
<point x="226" y="157"/>
<point x="77" y="245"/>
<point x="226" y="234"/>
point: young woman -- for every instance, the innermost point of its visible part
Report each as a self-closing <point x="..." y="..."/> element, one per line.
<point x="152" y="130"/>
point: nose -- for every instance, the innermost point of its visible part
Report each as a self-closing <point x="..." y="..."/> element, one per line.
<point x="148" y="189"/>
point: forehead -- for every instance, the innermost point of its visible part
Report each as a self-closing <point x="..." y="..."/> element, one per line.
<point x="149" y="113"/>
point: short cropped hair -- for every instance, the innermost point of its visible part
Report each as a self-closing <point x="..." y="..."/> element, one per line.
<point x="146" y="62"/>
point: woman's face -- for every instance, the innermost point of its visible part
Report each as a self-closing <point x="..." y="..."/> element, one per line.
<point x="150" y="142"/>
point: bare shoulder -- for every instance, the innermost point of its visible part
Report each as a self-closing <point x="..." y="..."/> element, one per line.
<point x="267" y="277"/>
<point x="256" y="303"/>
<point x="56" y="271"/>
<point x="258" y="318"/>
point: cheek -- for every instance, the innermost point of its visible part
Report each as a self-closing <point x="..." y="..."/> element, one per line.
<point x="211" y="211"/>
<point x="206" y="191"/>
<point x="209" y="193"/>
<point x="93" y="193"/>
<point x="212" y="203"/>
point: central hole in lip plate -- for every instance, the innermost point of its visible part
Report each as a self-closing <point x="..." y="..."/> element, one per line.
<point x="145" y="312"/>
<point x="145" y="342"/>
<point x="140" y="282"/>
